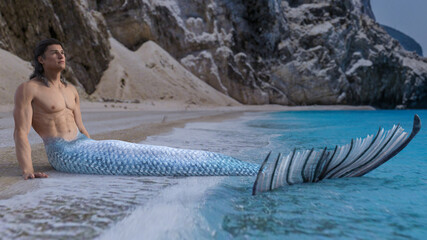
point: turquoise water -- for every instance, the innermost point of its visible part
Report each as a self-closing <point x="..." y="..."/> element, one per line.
<point x="388" y="203"/>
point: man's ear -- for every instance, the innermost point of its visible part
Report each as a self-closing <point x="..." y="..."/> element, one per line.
<point x="40" y="59"/>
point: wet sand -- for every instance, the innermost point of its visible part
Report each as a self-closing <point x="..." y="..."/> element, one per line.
<point x="127" y="122"/>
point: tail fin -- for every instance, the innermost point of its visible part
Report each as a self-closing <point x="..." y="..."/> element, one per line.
<point x="352" y="160"/>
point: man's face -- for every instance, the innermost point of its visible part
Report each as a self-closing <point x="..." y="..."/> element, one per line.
<point x="53" y="58"/>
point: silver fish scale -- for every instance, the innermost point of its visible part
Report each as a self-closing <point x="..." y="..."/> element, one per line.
<point x="113" y="157"/>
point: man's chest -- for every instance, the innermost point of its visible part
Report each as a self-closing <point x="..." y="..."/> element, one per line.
<point x="55" y="100"/>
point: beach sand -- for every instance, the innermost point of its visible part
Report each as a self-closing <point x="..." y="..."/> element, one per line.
<point x="128" y="122"/>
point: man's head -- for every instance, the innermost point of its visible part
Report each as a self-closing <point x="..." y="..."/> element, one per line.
<point x="48" y="55"/>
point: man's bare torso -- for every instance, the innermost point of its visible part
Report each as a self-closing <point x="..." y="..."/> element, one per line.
<point x="53" y="110"/>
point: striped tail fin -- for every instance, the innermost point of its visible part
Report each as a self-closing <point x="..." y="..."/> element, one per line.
<point x="352" y="160"/>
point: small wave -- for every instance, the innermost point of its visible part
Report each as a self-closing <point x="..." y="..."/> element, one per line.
<point x="171" y="215"/>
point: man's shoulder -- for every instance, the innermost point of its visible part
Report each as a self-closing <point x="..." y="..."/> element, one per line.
<point x="33" y="83"/>
<point x="29" y="88"/>
<point x="28" y="85"/>
<point x="72" y="88"/>
<point x="25" y="90"/>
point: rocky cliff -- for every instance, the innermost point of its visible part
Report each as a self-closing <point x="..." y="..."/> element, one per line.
<point x="293" y="52"/>
<point x="24" y="23"/>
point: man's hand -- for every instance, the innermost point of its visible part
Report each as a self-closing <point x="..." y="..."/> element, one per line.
<point x="34" y="175"/>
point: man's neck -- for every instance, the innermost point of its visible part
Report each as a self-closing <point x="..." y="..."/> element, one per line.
<point x="53" y="77"/>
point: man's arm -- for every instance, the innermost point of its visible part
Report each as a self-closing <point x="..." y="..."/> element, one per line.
<point x="22" y="115"/>
<point x="78" y="115"/>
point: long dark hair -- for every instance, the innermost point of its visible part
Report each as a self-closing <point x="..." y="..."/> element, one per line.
<point x="38" y="67"/>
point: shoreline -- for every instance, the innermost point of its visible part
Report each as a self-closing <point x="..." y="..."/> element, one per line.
<point x="152" y="119"/>
<point x="166" y="106"/>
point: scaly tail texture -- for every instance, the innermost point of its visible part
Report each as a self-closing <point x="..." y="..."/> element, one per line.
<point x="112" y="157"/>
<point x="352" y="160"/>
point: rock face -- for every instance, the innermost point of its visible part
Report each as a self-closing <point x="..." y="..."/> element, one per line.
<point x="293" y="52"/>
<point x="213" y="39"/>
<point x="338" y="54"/>
<point x="24" y="23"/>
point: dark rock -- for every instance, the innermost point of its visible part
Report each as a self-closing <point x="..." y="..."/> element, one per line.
<point x="24" y="23"/>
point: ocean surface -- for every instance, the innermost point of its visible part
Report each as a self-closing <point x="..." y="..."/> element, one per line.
<point x="387" y="203"/>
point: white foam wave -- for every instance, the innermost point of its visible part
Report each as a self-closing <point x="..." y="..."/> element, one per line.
<point x="174" y="214"/>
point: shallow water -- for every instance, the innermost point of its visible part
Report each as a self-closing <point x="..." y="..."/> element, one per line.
<point x="388" y="203"/>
